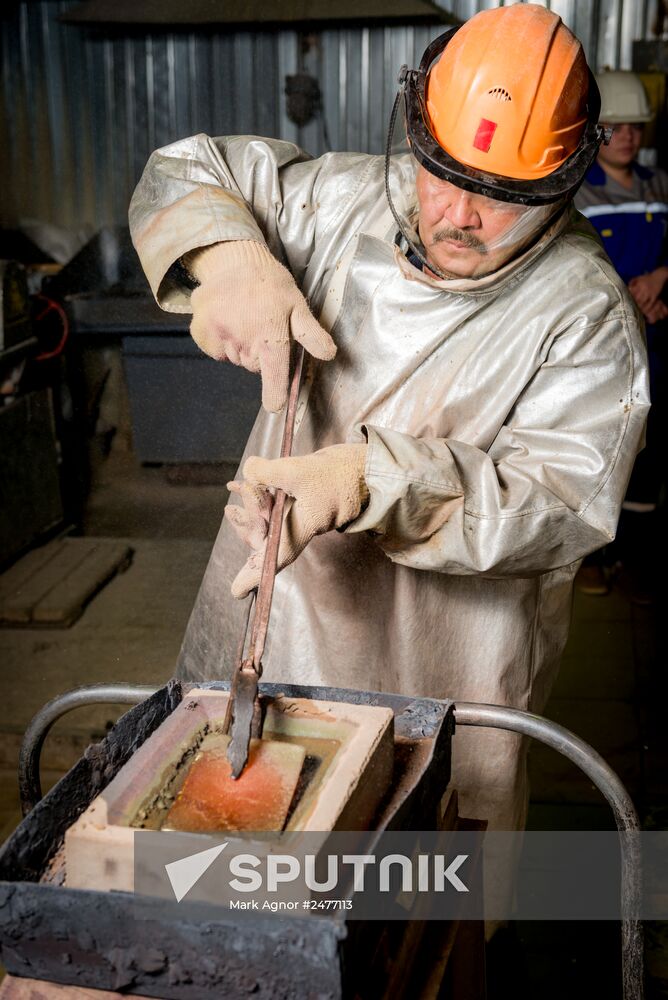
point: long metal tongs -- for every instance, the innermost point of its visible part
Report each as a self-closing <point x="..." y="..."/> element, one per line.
<point x="244" y="716"/>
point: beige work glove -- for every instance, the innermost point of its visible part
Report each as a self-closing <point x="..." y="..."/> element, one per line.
<point x="327" y="488"/>
<point x="246" y="309"/>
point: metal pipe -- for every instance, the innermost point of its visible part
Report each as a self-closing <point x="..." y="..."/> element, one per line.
<point x="607" y="782"/>
<point x="30" y="786"/>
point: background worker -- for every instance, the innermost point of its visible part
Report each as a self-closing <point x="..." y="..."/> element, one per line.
<point x="628" y="205"/>
<point x="472" y="436"/>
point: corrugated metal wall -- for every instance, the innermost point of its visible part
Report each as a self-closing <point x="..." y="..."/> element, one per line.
<point x="81" y="110"/>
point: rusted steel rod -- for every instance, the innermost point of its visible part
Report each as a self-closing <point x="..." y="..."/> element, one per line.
<point x="244" y="712"/>
<point x="265" y="591"/>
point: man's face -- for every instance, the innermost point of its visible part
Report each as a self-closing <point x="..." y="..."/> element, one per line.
<point x="623" y="147"/>
<point x="461" y="231"/>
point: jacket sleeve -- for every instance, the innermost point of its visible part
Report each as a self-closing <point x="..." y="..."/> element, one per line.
<point x="201" y="190"/>
<point x="548" y="490"/>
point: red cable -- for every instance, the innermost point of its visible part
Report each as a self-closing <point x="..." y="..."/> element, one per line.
<point x="53" y="306"/>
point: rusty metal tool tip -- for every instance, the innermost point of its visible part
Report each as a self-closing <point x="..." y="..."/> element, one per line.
<point x="244" y="693"/>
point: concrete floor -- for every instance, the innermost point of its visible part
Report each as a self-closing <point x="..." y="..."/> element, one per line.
<point x="130" y="632"/>
<point x="609" y="692"/>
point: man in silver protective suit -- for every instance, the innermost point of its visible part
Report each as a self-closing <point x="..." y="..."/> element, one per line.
<point x="475" y="387"/>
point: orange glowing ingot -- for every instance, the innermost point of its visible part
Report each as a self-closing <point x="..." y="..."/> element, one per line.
<point x="211" y="800"/>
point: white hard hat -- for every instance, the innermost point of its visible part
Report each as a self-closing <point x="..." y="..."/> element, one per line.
<point x="623" y="98"/>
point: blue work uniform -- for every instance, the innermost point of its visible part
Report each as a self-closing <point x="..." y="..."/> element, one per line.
<point x="632" y="222"/>
<point x="633" y="226"/>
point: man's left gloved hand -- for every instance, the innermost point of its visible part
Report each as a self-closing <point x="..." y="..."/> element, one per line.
<point x="325" y="490"/>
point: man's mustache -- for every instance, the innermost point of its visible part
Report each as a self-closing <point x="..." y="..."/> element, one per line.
<point x="460" y="236"/>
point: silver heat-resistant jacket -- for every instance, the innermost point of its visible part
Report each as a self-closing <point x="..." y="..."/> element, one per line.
<point x="503" y="416"/>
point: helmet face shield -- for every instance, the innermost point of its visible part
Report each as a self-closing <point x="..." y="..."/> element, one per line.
<point x="505" y="224"/>
<point x="420" y="201"/>
<point x="458" y="233"/>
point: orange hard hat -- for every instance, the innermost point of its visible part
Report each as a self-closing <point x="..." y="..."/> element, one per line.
<point x="509" y="93"/>
<point x="510" y="96"/>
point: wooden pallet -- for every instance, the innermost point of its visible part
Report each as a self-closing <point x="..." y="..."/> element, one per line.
<point x="51" y="585"/>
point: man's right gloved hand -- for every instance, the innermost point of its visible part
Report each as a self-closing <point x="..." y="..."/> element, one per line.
<point x="325" y="490"/>
<point x="247" y="309"/>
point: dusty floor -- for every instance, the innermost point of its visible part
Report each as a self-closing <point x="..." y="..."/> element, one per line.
<point x="610" y="692"/>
